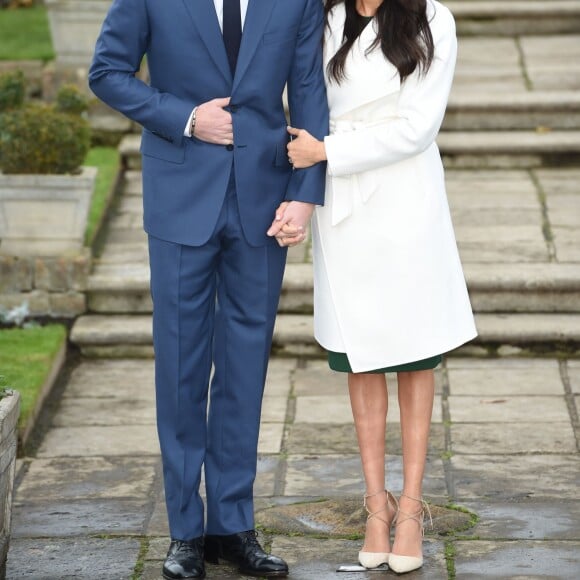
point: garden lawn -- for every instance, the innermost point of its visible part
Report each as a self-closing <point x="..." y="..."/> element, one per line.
<point x="26" y="357"/>
<point x="108" y="160"/>
<point x="25" y="35"/>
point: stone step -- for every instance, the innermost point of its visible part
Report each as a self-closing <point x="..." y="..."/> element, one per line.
<point x="514" y="18"/>
<point x="114" y="336"/>
<point x="509" y="149"/>
<point x="118" y="287"/>
<point x="472" y="149"/>
<point x="493" y="288"/>
<point x="133" y="183"/>
<point x="129" y="150"/>
<point x="124" y="289"/>
<point x="499" y="335"/>
<point x="471" y="111"/>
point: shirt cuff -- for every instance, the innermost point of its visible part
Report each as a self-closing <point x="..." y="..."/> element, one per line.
<point x="187" y="131"/>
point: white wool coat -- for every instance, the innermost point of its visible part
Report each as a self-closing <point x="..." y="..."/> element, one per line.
<point x="389" y="287"/>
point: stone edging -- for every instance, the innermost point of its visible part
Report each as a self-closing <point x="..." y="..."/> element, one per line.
<point x="46" y="389"/>
<point x="9" y="413"/>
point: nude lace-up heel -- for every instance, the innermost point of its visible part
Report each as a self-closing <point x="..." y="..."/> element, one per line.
<point x="375" y="559"/>
<point x="402" y="564"/>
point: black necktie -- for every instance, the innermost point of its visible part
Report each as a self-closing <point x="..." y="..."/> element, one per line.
<point x="232" y="27"/>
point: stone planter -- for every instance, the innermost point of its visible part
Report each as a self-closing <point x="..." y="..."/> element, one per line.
<point x="9" y="413"/>
<point x="44" y="215"/>
<point x="74" y="26"/>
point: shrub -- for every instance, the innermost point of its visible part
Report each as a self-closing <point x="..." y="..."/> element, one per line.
<point x="11" y="90"/>
<point x="16" y="3"/>
<point x="70" y="100"/>
<point x="40" y="138"/>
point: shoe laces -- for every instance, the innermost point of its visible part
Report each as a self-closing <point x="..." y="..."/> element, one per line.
<point x="187" y="547"/>
<point x="417" y="516"/>
<point x="251" y="537"/>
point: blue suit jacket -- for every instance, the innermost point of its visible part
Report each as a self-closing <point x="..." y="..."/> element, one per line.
<point x="185" y="179"/>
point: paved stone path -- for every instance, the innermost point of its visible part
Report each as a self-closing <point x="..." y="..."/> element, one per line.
<point x="504" y="446"/>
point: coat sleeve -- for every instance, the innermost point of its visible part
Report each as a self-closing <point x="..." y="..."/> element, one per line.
<point x="307" y="101"/>
<point x="420" y="111"/>
<point x="120" y="47"/>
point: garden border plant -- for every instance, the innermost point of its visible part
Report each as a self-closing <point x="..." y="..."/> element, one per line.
<point x="39" y="138"/>
<point x="42" y="148"/>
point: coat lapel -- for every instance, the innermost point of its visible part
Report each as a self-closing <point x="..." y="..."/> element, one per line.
<point x="369" y="77"/>
<point x="204" y="18"/>
<point x="256" y="18"/>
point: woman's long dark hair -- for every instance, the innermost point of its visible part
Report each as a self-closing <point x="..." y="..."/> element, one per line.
<point x="404" y="36"/>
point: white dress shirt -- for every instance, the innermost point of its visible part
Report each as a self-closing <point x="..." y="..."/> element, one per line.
<point x="219" y="8"/>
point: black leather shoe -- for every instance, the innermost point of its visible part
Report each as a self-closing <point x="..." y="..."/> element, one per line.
<point x="244" y="550"/>
<point x="184" y="560"/>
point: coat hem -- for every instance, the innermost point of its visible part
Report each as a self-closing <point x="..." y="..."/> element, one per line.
<point x="384" y="363"/>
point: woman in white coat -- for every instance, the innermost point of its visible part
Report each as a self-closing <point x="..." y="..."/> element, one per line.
<point x="389" y="288"/>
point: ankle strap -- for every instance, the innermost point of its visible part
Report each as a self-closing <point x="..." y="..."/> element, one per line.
<point x="367" y="495"/>
<point x="418" y="515"/>
<point x="385" y="508"/>
<point x="419" y="499"/>
<point x="390" y="498"/>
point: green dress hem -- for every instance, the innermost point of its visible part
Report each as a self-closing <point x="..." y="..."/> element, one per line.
<point x="338" y="361"/>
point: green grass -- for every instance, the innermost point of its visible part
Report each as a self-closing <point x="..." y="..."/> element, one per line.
<point x="473" y="517"/>
<point x="140" y="564"/>
<point x="450" y="559"/>
<point x="26" y="357"/>
<point x="25" y="34"/>
<point x="108" y="161"/>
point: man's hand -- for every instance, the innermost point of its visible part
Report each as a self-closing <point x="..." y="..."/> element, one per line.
<point x="305" y="150"/>
<point x="213" y="124"/>
<point x="289" y="225"/>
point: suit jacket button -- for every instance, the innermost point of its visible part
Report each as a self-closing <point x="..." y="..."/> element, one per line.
<point x="230" y="147"/>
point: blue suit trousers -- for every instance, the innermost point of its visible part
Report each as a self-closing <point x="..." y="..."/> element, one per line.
<point x="214" y="304"/>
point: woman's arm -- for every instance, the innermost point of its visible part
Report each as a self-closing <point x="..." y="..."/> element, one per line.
<point x="421" y="107"/>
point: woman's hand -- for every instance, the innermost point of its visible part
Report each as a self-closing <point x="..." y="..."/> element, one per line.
<point x="289" y="225"/>
<point x="305" y="150"/>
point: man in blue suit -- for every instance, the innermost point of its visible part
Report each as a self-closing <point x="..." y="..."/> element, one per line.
<point x="215" y="168"/>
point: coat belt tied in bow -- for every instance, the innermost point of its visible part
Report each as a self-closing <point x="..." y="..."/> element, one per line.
<point x="346" y="187"/>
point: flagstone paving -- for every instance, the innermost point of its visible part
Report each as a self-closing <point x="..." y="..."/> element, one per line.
<point x="89" y="503"/>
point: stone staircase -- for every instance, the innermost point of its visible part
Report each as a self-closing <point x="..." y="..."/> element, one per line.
<point x="511" y="146"/>
<point x="515" y="18"/>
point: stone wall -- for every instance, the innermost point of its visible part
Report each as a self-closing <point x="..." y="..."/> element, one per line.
<point x="9" y="413"/>
<point x="52" y="286"/>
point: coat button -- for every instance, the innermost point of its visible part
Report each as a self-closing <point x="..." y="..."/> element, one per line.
<point x="230" y="147"/>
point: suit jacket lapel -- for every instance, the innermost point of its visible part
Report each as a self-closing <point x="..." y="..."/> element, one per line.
<point x="256" y="18"/>
<point x="205" y="19"/>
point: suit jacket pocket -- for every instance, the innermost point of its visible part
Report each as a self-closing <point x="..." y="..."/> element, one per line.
<point x="154" y="146"/>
